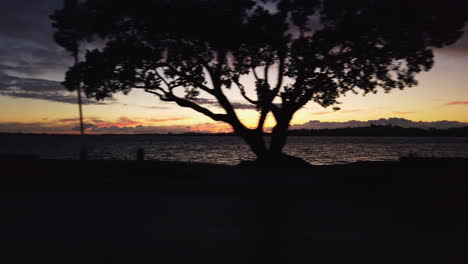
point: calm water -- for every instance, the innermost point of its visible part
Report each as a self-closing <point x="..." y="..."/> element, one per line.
<point x="231" y="150"/>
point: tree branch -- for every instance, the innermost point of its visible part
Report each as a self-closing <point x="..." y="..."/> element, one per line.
<point x="231" y="113"/>
<point x="261" y="121"/>
<point x="243" y="93"/>
<point x="189" y="78"/>
<point x="255" y="74"/>
<point x="221" y="97"/>
<point x="280" y="75"/>
<point x="170" y="97"/>
<point x="198" y="108"/>
<point x="161" y="97"/>
<point x="165" y="82"/>
<point x="267" y="69"/>
<point x="209" y="69"/>
<point x="275" y="110"/>
<point x="153" y="90"/>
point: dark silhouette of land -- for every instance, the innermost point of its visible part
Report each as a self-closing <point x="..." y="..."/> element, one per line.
<point x="411" y="211"/>
<point x="384" y="131"/>
<point x="370" y="131"/>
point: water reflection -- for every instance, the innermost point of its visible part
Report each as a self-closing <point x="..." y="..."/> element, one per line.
<point x="231" y="150"/>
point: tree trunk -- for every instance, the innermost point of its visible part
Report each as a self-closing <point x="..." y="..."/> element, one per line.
<point x="255" y="141"/>
<point x="278" y="136"/>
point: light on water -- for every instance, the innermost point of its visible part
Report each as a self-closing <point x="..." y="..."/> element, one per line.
<point x="231" y="150"/>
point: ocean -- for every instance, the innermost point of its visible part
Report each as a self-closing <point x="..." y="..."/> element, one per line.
<point x="230" y="149"/>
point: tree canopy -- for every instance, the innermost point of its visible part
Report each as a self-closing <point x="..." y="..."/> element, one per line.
<point x="297" y="50"/>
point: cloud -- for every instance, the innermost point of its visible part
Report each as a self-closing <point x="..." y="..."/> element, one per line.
<point x="87" y="127"/>
<point x="28" y="19"/>
<point x="41" y="89"/>
<point x="29" y="57"/>
<point x="26" y="43"/>
<point x="125" y="121"/>
<point x="121" y="122"/>
<point x="457" y="103"/>
<point x="218" y="127"/>
<point x="147" y="107"/>
<point x="92" y="120"/>
<point x="117" y="128"/>
<point x="337" y="112"/>
<point x="97" y="121"/>
<point x="140" y="129"/>
<point x="349" y="111"/>
<point x="67" y="125"/>
<point x="155" y="120"/>
<point x="316" y="124"/>
<point x="322" y="113"/>
<point x="123" y="125"/>
<point x="242" y="106"/>
<point x="67" y="120"/>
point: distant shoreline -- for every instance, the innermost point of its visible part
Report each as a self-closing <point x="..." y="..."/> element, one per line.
<point x="370" y="131"/>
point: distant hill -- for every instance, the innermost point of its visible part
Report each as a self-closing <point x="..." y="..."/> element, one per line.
<point x="383" y="131"/>
<point x="394" y="121"/>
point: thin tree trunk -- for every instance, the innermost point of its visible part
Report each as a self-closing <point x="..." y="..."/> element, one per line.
<point x="83" y="148"/>
<point x="80" y="100"/>
<point x="80" y="107"/>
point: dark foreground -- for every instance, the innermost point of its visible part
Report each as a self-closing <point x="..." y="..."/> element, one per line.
<point x="153" y="212"/>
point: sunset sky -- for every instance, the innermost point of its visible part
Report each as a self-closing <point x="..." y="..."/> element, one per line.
<point x="32" y="100"/>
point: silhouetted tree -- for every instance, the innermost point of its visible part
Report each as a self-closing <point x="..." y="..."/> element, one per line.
<point x="297" y="51"/>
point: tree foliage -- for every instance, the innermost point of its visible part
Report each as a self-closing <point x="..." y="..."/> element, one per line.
<point x="297" y="50"/>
